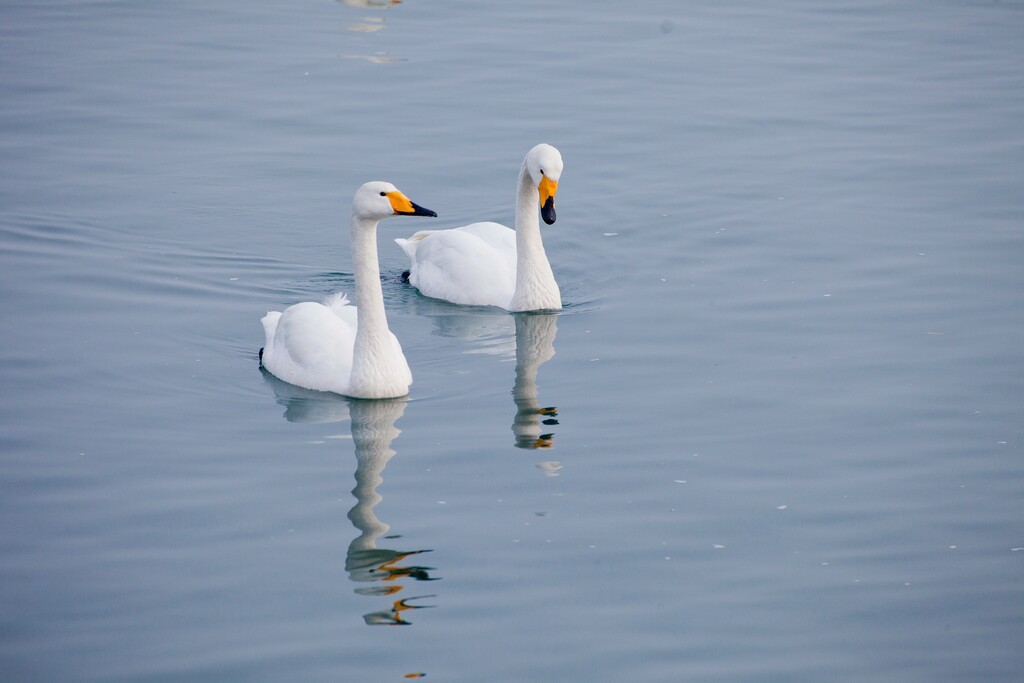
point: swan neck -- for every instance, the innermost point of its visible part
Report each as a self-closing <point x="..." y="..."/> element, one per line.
<point x="527" y="211"/>
<point x="366" y="269"/>
<point x="536" y="288"/>
<point x="528" y="216"/>
<point x="379" y="369"/>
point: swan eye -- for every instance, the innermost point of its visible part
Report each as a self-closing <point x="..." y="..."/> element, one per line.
<point x="383" y="194"/>
<point x="542" y="171"/>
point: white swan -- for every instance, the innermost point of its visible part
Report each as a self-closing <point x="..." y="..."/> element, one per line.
<point x="325" y="346"/>
<point x="487" y="264"/>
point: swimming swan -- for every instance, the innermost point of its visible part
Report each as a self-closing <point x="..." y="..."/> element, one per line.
<point x="327" y="347"/>
<point x="487" y="264"/>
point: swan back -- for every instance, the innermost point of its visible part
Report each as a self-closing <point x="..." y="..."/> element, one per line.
<point x="472" y="266"/>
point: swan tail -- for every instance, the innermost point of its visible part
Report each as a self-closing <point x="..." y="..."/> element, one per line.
<point x="409" y="245"/>
<point x="336" y="301"/>
<point x="269" y="329"/>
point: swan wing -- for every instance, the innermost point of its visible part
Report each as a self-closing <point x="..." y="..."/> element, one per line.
<point x="472" y="265"/>
<point x="310" y="345"/>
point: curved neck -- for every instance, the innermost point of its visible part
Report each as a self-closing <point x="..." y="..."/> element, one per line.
<point x="536" y="288"/>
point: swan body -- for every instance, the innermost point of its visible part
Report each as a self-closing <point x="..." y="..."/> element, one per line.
<point x="488" y="264"/>
<point x="334" y="346"/>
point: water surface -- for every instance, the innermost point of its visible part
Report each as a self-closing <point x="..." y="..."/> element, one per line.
<point x="775" y="434"/>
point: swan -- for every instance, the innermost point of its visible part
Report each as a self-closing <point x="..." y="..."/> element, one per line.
<point x="327" y="346"/>
<point x="488" y="264"/>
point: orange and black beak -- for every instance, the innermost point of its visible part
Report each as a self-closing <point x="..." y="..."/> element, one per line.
<point x="547" y="190"/>
<point x="403" y="206"/>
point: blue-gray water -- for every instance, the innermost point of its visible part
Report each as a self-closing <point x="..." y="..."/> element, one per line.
<point x="789" y="378"/>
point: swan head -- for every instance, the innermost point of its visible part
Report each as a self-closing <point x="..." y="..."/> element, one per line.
<point x="377" y="199"/>
<point x="544" y="165"/>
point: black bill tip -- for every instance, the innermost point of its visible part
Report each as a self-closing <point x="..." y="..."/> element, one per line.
<point x="417" y="210"/>
<point x="547" y="212"/>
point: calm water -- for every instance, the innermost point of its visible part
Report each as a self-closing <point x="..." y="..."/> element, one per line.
<point x="787" y="429"/>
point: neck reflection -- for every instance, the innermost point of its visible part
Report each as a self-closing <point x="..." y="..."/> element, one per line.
<point x="379" y="572"/>
<point x="373" y="430"/>
<point x="535" y="344"/>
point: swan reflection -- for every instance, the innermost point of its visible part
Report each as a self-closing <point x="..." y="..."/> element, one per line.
<point x="484" y="330"/>
<point x="530" y="337"/>
<point x="370" y="4"/>
<point x="373" y="430"/>
<point x="535" y="345"/>
<point x="371" y="25"/>
<point x="380" y="572"/>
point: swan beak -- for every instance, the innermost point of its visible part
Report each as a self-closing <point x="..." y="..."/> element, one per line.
<point x="547" y="189"/>
<point x="402" y="205"/>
